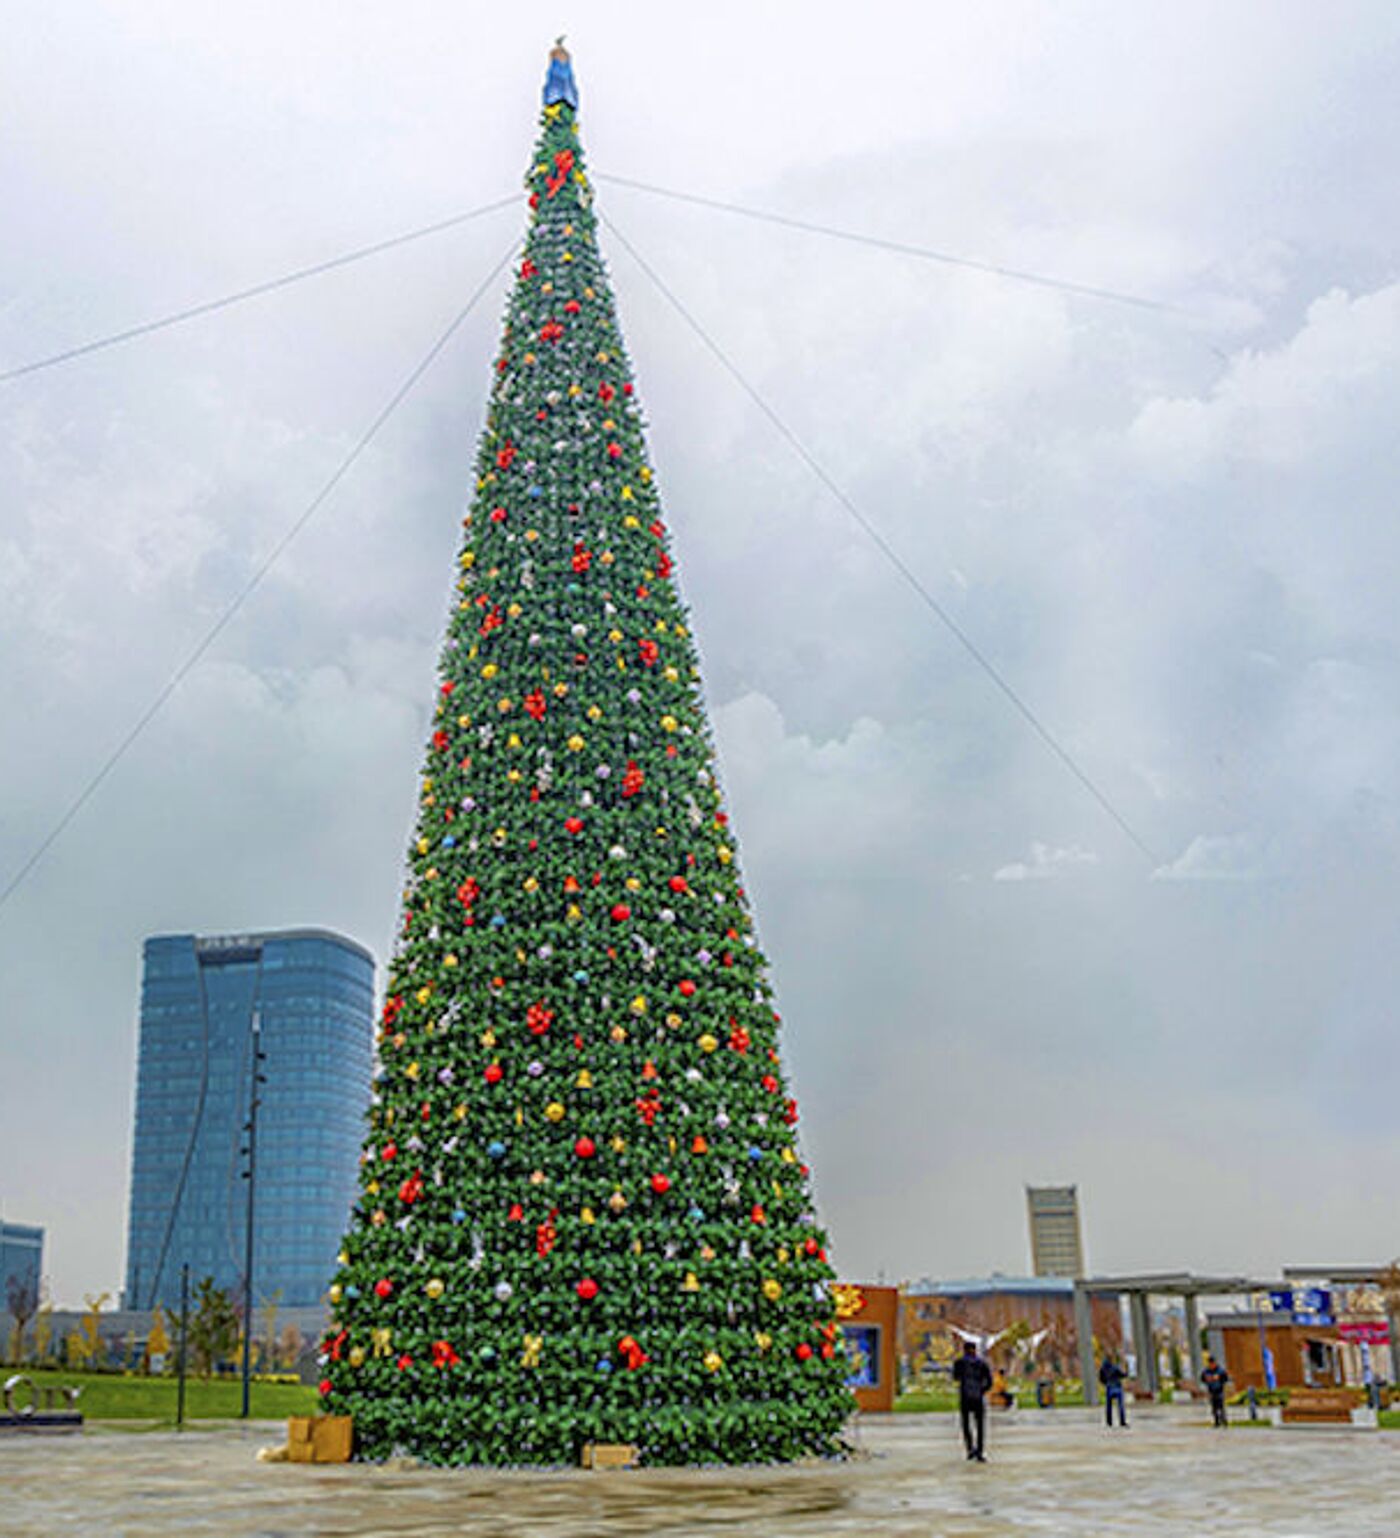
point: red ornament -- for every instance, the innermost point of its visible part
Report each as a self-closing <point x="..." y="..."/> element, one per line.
<point x="388" y="1151"/>
<point x="804" y="1352"/>
<point x="660" y="1184"/>
<point x="769" y="1083"/>
<point x="572" y="307"/>
<point x="323" y="1387"/>
<point x="606" y="392"/>
<point x="620" y="913"/>
<point x="528" y="268"/>
<point x="551" y="331"/>
<point x="493" y="1073"/>
<point x="678" y="884"/>
<point x="516" y="1213"/>
<point x="573" y="825"/>
<point x="614" y="451"/>
<point x="634" y="1354"/>
<point x="587" y="1289"/>
<point x="404" y="1362"/>
<point x="383" y="1287"/>
<point x="412" y="1189"/>
<point x="444" y="1355"/>
<point x="585" y="1148"/>
<point x="498" y="515"/>
<point x="686" y="987"/>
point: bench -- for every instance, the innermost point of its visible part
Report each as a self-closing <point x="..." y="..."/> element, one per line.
<point x="1319" y="1407"/>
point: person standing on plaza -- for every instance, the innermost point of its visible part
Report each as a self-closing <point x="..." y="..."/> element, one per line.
<point x="1214" y="1378"/>
<point x="974" y="1378"/>
<point x="1111" y="1375"/>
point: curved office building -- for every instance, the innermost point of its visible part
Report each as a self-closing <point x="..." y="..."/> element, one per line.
<point x="309" y="995"/>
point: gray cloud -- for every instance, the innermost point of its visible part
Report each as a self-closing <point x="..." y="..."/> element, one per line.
<point x="1173" y="534"/>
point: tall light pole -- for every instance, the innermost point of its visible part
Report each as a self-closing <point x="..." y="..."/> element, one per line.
<point x="251" y="1176"/>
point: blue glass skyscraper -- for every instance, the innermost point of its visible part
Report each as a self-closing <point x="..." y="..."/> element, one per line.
<point x="313" y="994"/>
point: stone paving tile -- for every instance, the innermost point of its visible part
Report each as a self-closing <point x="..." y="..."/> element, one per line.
<point x="1053" y="1474"/>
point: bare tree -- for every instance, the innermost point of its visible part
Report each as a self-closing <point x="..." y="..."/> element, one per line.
<point x="22" y="1301"/>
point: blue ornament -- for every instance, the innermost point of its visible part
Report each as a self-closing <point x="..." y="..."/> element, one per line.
<point x="580" y="976"/>
<point x="755" y="1152"/>
<point x="696" y="1216"/>
<point x="352" y="1291"/>
<point x="459" y="1215"/>
<point x="604" y="1365"/>
<point x="498" y="921"/>
<point x="496" y="1149"/>
<point x="449" y="842"/>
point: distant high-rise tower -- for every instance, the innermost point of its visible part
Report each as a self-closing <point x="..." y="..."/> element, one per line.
<point x="313" y="992"/>
<point x="1057" y="1248"/>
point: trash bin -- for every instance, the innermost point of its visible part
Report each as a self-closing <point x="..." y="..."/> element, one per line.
<point x="1045" y="1394"/>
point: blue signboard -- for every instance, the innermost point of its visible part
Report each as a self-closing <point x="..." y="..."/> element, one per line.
<point x="863" y="1353"/>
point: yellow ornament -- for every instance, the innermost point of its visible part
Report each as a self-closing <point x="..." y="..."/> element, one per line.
<point x="669" y="724"/>
<point x="575" y="744"/>
<point x="708" y="1043"/>
<point x="435" y="1287"/>
<point x="584" y="1080"/>
<point x="586" y="1217"/>
<point x="713" y="1361"/>
<point x="530" y="1350"/>
<point x="554" y="1111"/>
<point x="638" y="1006"/>
<point x="336" y="1293"/>
<point x="763" y="1340"/>
<point x="618" y="1034"/>
<point x="490" y="670"/>
<point x="617" y="1201"/>
<point x="357" y="1356"/>
<point x="691" y="1282"/>
<point x="772" y="1289"/>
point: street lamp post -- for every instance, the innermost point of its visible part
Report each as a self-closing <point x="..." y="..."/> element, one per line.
<point x="250" y="1175"/>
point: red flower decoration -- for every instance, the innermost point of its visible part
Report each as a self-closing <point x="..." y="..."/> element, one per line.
<point x="582" y="558"/>
<point x="528" y="268"/>
<point x="444" y="1355"/>
<point x="551" y="331"/>
<point x="538" y="1019"/>
<point x="505" y="456"/>
<point x="606" y="392"/>
<point x="633" y="779"/>
<point x="649" y="651"/>
<point x="535" y="705"/>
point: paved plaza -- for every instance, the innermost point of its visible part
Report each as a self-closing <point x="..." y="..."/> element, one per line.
<point x="1053" y="1473"/>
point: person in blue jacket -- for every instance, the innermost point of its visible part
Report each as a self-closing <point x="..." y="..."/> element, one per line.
<point x="1111" y="1375"/>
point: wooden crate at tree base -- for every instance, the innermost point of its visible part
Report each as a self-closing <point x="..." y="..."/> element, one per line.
<point x="319" y="1438"/>
<point x="608" y="1455"/>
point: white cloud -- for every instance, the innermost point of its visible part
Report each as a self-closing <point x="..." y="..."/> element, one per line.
<point x="1214" y="857"/>
<point x="1045" y="862"/>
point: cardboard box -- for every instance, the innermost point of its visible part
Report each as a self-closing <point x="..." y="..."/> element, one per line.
<point x="319" y="1438"/>
<point x="608" y="1455"/>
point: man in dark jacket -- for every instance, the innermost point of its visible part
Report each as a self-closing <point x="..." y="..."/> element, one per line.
<point x="1213" y="1380"/>
<point x="973" y="1378"/>
<point x="1111" y="1375"/>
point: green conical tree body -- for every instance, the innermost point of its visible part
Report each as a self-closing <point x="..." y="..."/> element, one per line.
<point x="582" y="1213"/>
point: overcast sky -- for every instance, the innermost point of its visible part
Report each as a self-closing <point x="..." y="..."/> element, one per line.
<point x="1175" y="534"/>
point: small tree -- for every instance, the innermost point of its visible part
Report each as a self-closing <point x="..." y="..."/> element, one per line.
<point x="214" y="1329"/>
<point x="43" y="1332"/>
<point x="22" y="1300"/>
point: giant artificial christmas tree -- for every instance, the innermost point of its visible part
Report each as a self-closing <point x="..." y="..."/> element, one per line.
<point x="582" y="1215"/>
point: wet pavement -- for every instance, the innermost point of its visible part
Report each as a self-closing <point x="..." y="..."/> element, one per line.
<point x="1055" y="1473"/>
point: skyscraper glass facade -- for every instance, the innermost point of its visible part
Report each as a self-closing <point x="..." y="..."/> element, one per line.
<point x="313" y="995"/>
<point x="21" y="1260"/>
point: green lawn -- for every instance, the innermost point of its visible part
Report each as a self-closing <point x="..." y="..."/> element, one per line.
<point x="110" y="1396"/>
<point x="943" y="1395"/>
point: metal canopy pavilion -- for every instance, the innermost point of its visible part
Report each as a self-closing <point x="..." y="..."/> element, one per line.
<point x="1185" y="1285"/>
